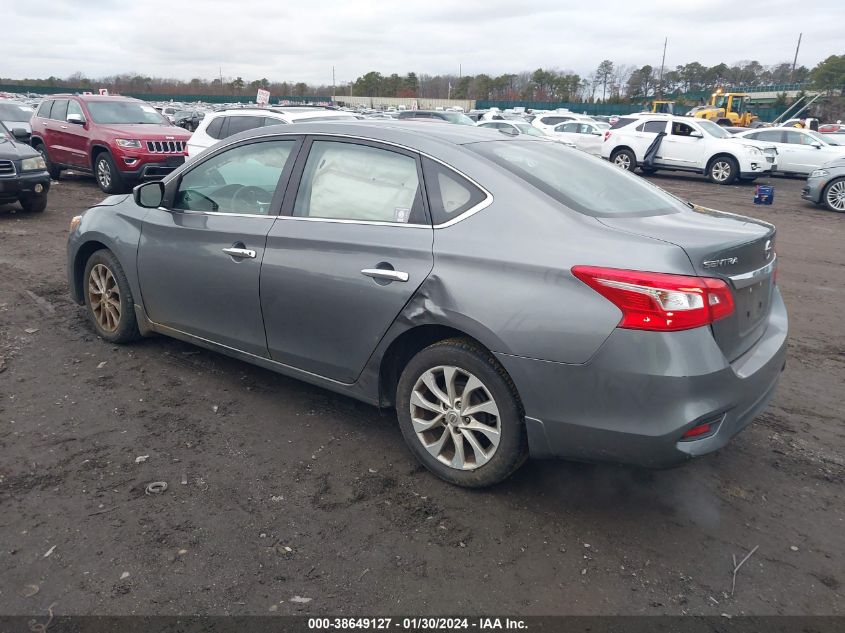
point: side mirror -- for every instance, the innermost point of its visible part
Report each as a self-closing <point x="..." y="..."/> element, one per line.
<point x="77" y="119"/>
<point x="816" y="144"/>
<point x="149" y="195"/>
<point x="20" y="133"/>
<point x="695" y="134"/>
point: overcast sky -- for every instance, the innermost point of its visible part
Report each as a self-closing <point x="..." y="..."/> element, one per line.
<point x="302" y="40"/>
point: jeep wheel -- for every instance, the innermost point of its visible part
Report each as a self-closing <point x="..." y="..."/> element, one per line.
<point x="54" y="171"/>
<point x="107" y="175"/>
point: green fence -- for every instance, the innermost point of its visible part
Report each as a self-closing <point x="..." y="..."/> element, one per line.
<point x="180" y="98"/>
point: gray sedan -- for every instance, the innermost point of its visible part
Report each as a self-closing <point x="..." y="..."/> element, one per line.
<point x="508" y="296"/>
<point x="826" y="186"/>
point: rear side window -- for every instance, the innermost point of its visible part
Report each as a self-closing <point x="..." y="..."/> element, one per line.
<point x="772" y="136"/>
<point x="358" y="182"/>
<point x="653" y="127"/>
<point x="268" y="121"/>
<point x="622" y="122"/>
<point x="59" y="111"/>
<point x="215" y="128"/>
<point x="243" y="123"/>
<point x="44" y="109"/>
<point x="449" y="194"/>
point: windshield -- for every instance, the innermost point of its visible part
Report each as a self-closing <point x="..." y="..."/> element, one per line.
<point x="819" y="137"/>
<point x="530" y="130"/>
<point x="834" y="139"/>
<point x="713" y="129"/>
<point x="458" y="117"/>
<point x="124" y="112"/>
<point x="15" y="112"/>
<point x="580" y="182"/>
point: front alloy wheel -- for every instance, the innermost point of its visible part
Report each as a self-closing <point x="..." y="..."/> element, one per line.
<point x="104" y="175"/>
<point x="455" y="417"/>
<point x="104" y="298"/>
<point x="834" y="195"/>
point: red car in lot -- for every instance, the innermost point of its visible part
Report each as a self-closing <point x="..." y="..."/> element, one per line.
<point x="121" y="141"/>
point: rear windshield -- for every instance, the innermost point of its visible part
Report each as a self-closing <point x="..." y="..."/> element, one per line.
<point x="578" y="181"/>
<point x="124" y="112"/>
<point x="15" y="112"/>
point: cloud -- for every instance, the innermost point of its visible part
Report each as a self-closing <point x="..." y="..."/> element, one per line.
<point x="302" y="41"/>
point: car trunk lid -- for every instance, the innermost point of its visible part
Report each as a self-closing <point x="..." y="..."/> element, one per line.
<point x="732" y="247"/>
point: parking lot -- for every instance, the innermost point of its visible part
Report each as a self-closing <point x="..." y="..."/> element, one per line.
<point x="284" y="498"/>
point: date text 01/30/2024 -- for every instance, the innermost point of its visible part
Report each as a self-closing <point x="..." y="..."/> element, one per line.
<point x="416" y="624"/>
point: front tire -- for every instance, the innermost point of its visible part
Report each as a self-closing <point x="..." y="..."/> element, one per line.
<point x="460" y="414"/>
<point x="34" y="203"/>
<point x="107" y="175"/>
<point x="108" y="298"/>
<point x="833" y="195"/>
<point x="624" y="158"/>
<point x="723" y="170"/>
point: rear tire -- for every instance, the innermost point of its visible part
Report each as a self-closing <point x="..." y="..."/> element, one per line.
<point x="55" y="172"/>
<point x="107" y="175"/>
<point x="35" y="203"/>
<point x="108" y="298"/>
<point x="460" y="414"/>
<point x="833" y="195"/>
<point x="624" y="158"/>
<point x="723" y="170"/>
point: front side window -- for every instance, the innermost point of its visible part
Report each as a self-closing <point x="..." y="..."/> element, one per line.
<point x="449" y="193"/>
<point x="346" y="181"/>
<point x="681" y="129"/>
<point x="59" y="111"/>
<point x="74" y="108"/>
<point x="570" y="128"/>
<point x="770" y="136"/>
<point x="105" y="112"/>
<point x="241" y="180"/>
<point x="589" y="186"/>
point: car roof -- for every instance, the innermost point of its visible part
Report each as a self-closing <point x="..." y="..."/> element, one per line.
<point x="417" y="135"/>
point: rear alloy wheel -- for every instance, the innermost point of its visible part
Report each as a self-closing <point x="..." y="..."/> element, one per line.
<point x="54" y="171"/>
<point x="834" y="195"/>
<point x="460" y="415"/>
<point x="108" y="177"/>
<point x="723" y="170"/>
<point x="108" y="298"/>
<point x="625" y="159"/>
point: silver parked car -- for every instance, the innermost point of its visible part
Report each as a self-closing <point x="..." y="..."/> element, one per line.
<point x="826" y="186"/>
<point x="508" y="296"/>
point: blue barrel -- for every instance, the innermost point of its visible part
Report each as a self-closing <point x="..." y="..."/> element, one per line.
<point x="764" y="194"/>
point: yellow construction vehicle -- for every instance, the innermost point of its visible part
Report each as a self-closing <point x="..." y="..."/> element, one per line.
<point x="663" y="107"/>
<point x="726" y="108"/>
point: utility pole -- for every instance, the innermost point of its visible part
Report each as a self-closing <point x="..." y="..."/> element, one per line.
<point x="662" y="64"/>
<point x="334" y="89"/>
<point x="795" y="59"/>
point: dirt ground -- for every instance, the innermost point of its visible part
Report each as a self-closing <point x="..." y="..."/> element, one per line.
<point x="293" y="493"/>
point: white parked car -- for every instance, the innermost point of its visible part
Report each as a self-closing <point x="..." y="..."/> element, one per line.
<point x="585" y="135"/>
<point x="686" y="144"/>
<point x="520" y="127"/>
<point x="225" y="123"/>
<point x="547" y="121"/>
<point x="799" y="151"/>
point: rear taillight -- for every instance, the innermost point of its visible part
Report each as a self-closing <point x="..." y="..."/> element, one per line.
<point x="606" y="134"/>
<point x="659" y="301"/>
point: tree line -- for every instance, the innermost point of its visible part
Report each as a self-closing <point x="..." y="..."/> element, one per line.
<point x="610" y="82"/>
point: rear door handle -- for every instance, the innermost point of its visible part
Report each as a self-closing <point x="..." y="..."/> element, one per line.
<point x="64" y="127"/>
<point x="385" y="273"/>
<point x="240" y="252"/>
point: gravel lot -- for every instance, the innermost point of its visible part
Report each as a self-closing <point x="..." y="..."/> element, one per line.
<point x="295" y="492"/>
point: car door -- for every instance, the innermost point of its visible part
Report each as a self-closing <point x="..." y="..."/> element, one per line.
<point x="351" y="247"/>
<point x="644" y="135"/>
<point x="808" y="153"/>
<point x="682" y="147"/>
<point x="567" y="132"/>
<point x="589" y="138"/>
<point x="75" y="136"/>
<point x="200" y="255"/>
<point x="55" y="127"/>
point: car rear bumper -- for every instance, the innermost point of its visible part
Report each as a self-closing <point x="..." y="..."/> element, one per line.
<point x="24" y="184"/>
<point x="638" y="395"/>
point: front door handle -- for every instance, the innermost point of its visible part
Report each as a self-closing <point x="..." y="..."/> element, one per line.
<point x="240" y="252"/>
<point x="385" y="273"/>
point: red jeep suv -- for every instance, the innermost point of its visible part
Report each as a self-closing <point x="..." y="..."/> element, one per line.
<point x="120" y="140"/>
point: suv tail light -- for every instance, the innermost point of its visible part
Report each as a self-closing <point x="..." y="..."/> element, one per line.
<point x="606" y="134"/>
<point x="659" y="301"/>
